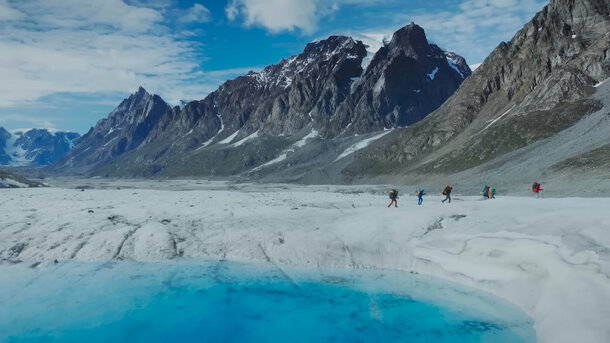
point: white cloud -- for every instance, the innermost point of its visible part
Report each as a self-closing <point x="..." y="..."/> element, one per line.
<point x="275" y="15"/>
<point x="29" y="120"/>
<point x="479" y="25"/>
<point x="7" y="13"/>
<point x="232" y="10"/>
<point x="95" y="47"/>
<point x="289" y="15"/>
<point x="93" y="14"/>
<point x="197" y="14"/>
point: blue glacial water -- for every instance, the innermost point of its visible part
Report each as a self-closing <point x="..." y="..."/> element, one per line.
<point x="195" y="301"/>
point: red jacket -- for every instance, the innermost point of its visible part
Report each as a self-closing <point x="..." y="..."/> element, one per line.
<point x="537" y="189"/>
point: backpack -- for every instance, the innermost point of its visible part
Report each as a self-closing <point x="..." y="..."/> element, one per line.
<point x="393" y="194"/>
<point x="534" y="186"/>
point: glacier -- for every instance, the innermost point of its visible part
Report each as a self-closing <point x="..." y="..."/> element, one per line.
<point x="549" y="256"/>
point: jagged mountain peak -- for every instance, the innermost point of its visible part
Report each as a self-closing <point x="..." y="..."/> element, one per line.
<point x="410" y="39"/>
<point x="141" y="95"/>
<point x="125" y="128"/>
<point x="332" y="44"/>
<point x="332" y="48"/>
<point x="409" y="34"/>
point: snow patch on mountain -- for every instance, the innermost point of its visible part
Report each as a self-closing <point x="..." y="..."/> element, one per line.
<point x="432" y="75"/>
<point x="36" y="147"/>
<point x="230" y="138"/>
<point x="299" y="144"/>
<point x="474" y="67"/>
<point x="453" y="65"/>
<point x="362" y="144"/>
<point x="17" y="153"/>
<point x="244" y="140"/>
<point x="600" y="83"/>
<point x="493" y="121"/>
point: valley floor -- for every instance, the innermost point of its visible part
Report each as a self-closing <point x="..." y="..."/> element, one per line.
<point x="551" y="257"/>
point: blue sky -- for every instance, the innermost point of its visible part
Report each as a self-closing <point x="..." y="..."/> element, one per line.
<point x="65" y="64"/>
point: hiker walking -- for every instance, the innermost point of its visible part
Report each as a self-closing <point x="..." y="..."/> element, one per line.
<point x="420" y="196"/>
<point x="492" y="192"/>
<point x="393" y="197"/>
<point x="536" y="188"/>
<point x="447" y="193"/>
<point x="485" y="192"/>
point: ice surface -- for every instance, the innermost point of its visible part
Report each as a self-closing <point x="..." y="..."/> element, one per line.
<point x="205" y="301"/>
<point x="17" y="153"/>
<point x="548" y="256"/>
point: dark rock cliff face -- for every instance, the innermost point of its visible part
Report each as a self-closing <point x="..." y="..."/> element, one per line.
<point x="530" y="88"/>
<point x="323" y="91"/>
<point x="126" y="127"/>
<point x="406" y="80"/>
<point x="35" y="147"/>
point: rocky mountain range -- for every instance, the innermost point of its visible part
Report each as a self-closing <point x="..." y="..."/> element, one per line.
<point x="125" y="128"/>
<point x="328" y="95"/>
<point x="34" y="147"/>
<point x="537" y="90"/>
<point x="536" y="108"/>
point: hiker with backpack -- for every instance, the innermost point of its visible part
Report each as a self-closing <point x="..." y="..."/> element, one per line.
<point x="420" y="196"/>
<point x="492" y="192"/>
<point x="485" y="192"/>
<point x="393" y="197"/>
<point x="447" y="193"/>
<point x="536" y="188"/>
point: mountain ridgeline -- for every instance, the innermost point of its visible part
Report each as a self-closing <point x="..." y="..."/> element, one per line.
<point x="34" y="147"/>
<point x="306" y="109"/>
<point x="534" y="103"/>
<point x="538" y="107"/>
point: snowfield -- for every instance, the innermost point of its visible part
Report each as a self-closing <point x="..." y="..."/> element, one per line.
<point x="548" y="256"/>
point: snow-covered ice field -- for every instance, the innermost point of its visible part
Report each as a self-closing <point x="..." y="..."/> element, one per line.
<point x="550" y="257"/>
